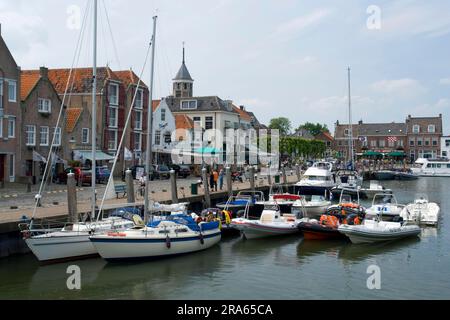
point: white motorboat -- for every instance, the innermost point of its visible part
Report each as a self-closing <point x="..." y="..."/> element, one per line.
<point x="175" y="235"/>
<point x="386" y="205"/>
<point x="278" y="194"/>
<point x="316" y="181"/>
<point x="313" y="206"/>
<point x="374" y="188"/>
<point x="271" y="223"/>
<point x="432" y="167"/>
<point x="421" y="211"/>
<point x="376" y="231"/>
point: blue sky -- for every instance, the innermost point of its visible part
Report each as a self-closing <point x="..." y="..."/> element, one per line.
<point x="278" y="58"/>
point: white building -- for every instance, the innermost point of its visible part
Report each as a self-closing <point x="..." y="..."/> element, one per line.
<point x="163" y="126"/>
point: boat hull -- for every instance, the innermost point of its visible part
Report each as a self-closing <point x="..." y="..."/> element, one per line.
<point x="255" y="230"/>
<point x="127" y="248"/>
<point x="359" y="234"/>
<point x="316" y="231"/>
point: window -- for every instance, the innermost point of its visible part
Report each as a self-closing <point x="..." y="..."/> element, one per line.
<point x="139" y="103"/>
<point x="11" y="127"/>
<point x="112" y="140"/>
<point x="113" y="117"/>
<point x="399" y="143"/>
<point x="1" y="93"/>
<point x="382" y="143"/>
<point x="137" y="141"/>
<point x="444" y="154"/>
<point x="346" y="132"/>
<point x="114" y="94"/>
<point x="411" y="142"/>
<point x="416" y="128"/>
<point x="167" y="138"/>
<point x="57" y="136"/>
<point x="447" y="143"/>
<point x="138" y="120"/>
<point x="44" y="136"/>
<point x="12" y="91"/>
<point x="157" y="137"/>
<point x="197" y="122"/>
<point x="85" y="135"/>
<point x="391" y="143"/>
<point x="435" y="143"/>
<point x="373" y="143"/>
<point x="209" y="123"/>
<point x="44" y="105"/>
<point x="189" y="105"/>
<point x="11" y="167"/>
<point x="30" y="135"/>
<point x="431" y="128"/>
<point x="163" y="114"/>
<point x="419" y="141"/>
<point x="427" y="142"/>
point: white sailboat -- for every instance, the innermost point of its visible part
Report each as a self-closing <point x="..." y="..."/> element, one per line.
<point x="174" y="235"/>
<point x="72" y="240"/>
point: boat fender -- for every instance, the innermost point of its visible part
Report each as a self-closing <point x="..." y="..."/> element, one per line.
<point x="26" y="234"/>
<point x="202" y="240"/>
<point x="168" y="244"/>
<point x="227" y="216"/>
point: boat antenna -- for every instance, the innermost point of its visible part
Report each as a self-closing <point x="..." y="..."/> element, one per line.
<point x="94" y="113"/>
<point x="148" y="158"/>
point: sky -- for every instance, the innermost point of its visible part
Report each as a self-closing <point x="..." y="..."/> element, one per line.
<point x="279" y="58"/>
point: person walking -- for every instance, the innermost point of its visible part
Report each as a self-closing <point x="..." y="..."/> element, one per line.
<point x="216" y="179"/>
<point x="211" y="181"/>
<point x="221" y="175"/>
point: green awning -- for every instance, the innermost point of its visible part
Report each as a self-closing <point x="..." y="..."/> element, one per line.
<point x="396" y="154"/>
<point x="372" y="154"/>
<point x="99" y="156"/>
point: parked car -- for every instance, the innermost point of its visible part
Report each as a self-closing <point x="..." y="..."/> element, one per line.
<point x="182" y="171"/>
<point x="102" y="174"/>
<point x="82" y="175"/>
<point x="162" y="171"/>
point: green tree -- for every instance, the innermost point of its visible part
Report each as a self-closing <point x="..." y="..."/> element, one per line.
<point x="282" y="124"/>
<point x="314" y="129"/>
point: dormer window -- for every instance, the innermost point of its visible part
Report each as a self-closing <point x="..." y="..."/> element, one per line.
<point x="431" y="128"/>
<point x="44" y="105"/>
<point x="189" y="105"/>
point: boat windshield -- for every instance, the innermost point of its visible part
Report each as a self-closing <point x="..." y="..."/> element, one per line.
<point x="317" y="178"/>
<point x="421" y="198"/>
<point x="384" y="199"/>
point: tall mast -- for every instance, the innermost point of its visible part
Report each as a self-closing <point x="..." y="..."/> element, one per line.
<point x="149" y="155"/>
<point x="94" y="111"/>
<point x="350" y="131"/>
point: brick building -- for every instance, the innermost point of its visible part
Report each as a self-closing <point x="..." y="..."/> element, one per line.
<point x="424" y="136"/>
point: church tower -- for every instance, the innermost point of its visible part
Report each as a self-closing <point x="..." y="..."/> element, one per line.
<point x="183" y="83"/>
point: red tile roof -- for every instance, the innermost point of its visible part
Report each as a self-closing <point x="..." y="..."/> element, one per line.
<point x="28" y="79"/>
<point x="243" y="114"/>
<point x="72" y="116"/>
<point x="128" y="77"/>
<point x="155" y="104"/>
<point x="182" y="121"/>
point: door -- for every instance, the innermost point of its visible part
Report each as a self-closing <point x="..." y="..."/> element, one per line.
<point x="2" y="167"/>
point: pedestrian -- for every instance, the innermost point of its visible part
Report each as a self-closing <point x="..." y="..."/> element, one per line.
<point x="221" y="175"/>
<point x="211" y="181"/>
<point x="142" y="183"/>
<point x="216" y="179"/>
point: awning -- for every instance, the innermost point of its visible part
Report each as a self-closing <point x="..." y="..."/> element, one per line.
<point x="38" y="158"/>
<point x="208" y="150"/>
<point x="87" y="155"/>
<point x="396" y="154"/>
<point x="372" y="154"/>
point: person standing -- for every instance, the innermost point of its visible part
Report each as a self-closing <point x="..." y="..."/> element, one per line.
<point x="216" y="179"/>
<point x="221" y="175"/>
<point x="211" y="180"/>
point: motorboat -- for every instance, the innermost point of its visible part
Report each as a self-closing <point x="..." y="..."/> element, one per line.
<point x="349" y="204"/>
<point x="323" y="165"/>
<point x="376" y="231"/>
<point x="316" y="180"/>
<point x="421" y="211"/>
<point x="386" y="205"/>
<point x="271" y="223"/>
<point x="224" y="216"/>
<point x="278" y="194"/>
<point x="240" y="201"/>
<point x="432" y="167"/>
<point x="175" y="235"/>
<point x="310" y="206"/>
<point x="374" y="188"/>
<point x="384" y="175"/>
<point x="349" y="180"/>
<point x="405" y="175"/>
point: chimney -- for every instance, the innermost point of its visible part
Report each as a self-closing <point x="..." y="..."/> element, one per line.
<point x="44" y="72"/>
<point x="242" y="108"/>
<point x="360" y="122"/>
<point x="337" y="122"/>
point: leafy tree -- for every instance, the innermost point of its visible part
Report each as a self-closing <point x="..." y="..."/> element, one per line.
<point x="314" y="129"/>
<point x="282" y="124"/>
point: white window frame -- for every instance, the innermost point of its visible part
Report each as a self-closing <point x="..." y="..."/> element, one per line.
<point x="44" y="105"/>
<point x="27" y="135"/>
<point x="382" y="143"/>
<point x="47" y="136"/>
<point x="57" y="139"/>
<point x="416" y="128"/>
<point x="137" y="134"/>
<point x="83" y="130"/>
<point x="157" y="137"/>
<point x="115" y="101"/>
<point x="163" y="112"/>
<point x="12" y="84"/>
<point x="431" y="126"/>
<point x="136" y="126"/>
<point x="189" y="105"/>
<point x="115" y="140"/>
<point x="139" y="103"/>
<point x="116" y="118"/>
<point x="11" y="123"/>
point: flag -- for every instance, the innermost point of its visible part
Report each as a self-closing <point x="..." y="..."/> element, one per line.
<point x="38" y="158"/>
<point x="128" y="155"/>
<point x="392" y="139"/>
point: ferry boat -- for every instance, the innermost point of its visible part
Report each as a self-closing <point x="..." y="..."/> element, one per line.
<point x="432" y="167"/>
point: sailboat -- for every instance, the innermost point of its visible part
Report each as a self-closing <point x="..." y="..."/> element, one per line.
<point x="178" y="233"/>
<point x="72" y="240"/>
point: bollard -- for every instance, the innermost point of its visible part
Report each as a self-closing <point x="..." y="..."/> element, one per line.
<point x="206" y="187"/>
<point x="229" y="182"/>
<point x="130" y="186"/>
<point x="72" y="198"/>
<point x="173" y="186"/>
<point x="252" y="178"/>
<point x="297" y="170"/>
<point x="283" y="172"/>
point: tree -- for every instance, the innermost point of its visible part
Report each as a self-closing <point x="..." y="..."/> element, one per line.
<point x="282" y="124"/>
<point x="314" y="129"/>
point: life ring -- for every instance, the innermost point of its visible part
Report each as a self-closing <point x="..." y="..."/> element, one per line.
<point x="168" y="244"/>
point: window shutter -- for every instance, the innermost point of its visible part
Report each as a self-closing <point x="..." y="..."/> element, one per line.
<point x="121" y="116"/>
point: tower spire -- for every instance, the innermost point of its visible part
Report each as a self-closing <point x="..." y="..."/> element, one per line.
<point x="183" y="53"/>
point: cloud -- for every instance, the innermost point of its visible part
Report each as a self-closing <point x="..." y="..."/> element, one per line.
<point x="291" y="28"/>
<point x="303" y="61"/>
<point x="254" y="103"/>
<point x="444" y="81"/>
<point x="405" y="87"/>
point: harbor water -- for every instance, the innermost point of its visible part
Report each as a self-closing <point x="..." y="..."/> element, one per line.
<point x="272" y="268"/>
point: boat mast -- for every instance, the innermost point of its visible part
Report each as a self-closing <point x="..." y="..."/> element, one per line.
<point x="94" y="112"/>
<point x="149" y="155"/>
<point x="350" y="125"/>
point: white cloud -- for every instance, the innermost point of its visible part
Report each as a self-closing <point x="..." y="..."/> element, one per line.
<point x="405" y="87"/>
<point x="291" y="28"/>
<point x="304" y="61"/>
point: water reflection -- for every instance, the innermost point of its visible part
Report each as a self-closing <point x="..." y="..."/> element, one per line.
<point x="308" y="249"/>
